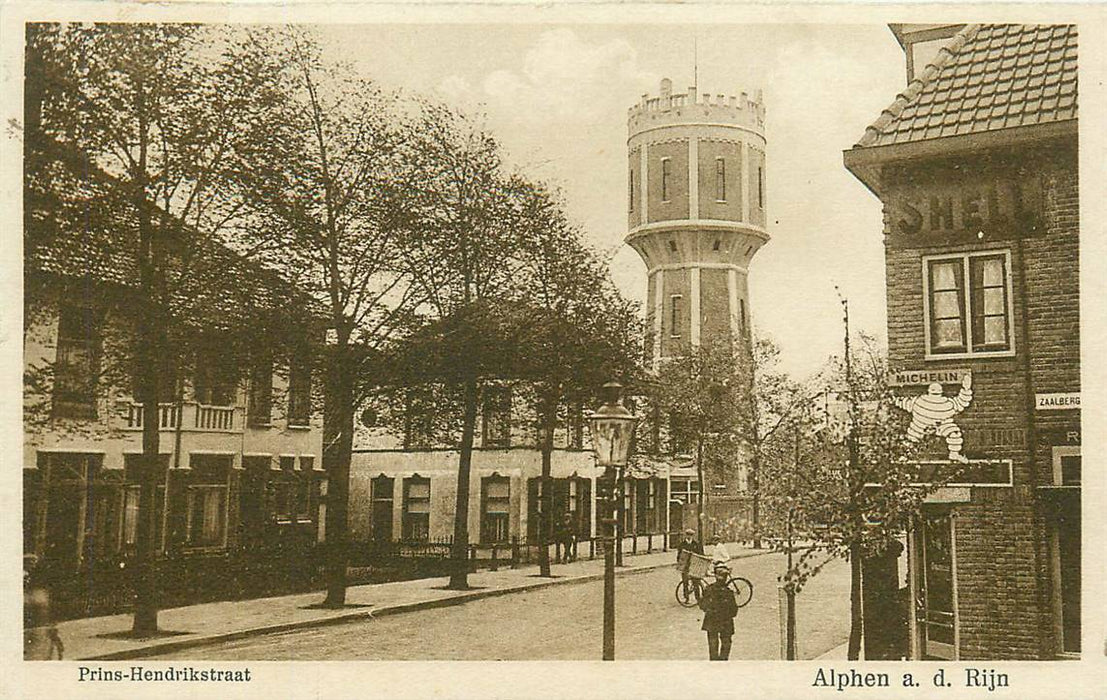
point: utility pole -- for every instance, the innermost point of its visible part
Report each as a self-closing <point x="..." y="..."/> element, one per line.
<point x="855" y="484"/>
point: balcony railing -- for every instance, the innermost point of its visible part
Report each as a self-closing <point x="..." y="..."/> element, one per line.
<point x="188" y="416"/>
<point x="214" y="417"/>
<point x="169" y="415"/>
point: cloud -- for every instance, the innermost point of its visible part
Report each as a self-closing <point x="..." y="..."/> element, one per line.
<point x="561" y="76"/>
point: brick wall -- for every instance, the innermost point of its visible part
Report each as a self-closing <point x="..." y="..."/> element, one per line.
<point x="1001" y="541"/>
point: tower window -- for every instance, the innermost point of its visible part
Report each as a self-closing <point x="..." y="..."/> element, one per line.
<point x="720" y="180"/>
<point x="760" y="187"/>
<point x="715" y="247"/>
<point x="674" y="315"/>
<point x="631" y="190"/>
<point x="672" y="246"/>
<point x="742" y="312"/>
<point x="666" y="174"/>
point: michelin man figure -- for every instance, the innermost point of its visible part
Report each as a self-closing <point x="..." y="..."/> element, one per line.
<point x="933" y="412"/>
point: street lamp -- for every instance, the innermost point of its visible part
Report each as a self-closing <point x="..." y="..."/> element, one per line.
<point x="612" y="427"/>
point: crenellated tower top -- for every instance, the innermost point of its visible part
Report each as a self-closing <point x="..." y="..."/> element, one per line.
<point x="689" y="107"/>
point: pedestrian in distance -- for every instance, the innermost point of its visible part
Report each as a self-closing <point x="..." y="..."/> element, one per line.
<point x="719" y="608"/>
<point x="692" y="545"/>
<point x="41" y="640"/>
<point x="565" y="540"/>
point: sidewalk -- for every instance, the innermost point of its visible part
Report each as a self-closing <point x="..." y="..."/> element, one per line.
<point x="197" y="625"/>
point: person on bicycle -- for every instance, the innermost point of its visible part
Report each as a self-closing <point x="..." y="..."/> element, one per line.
<point x="719" y="608"/>
<point x="688" y="544"/>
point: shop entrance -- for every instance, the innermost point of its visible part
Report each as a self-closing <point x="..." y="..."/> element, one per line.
<point x="935" y="594"/>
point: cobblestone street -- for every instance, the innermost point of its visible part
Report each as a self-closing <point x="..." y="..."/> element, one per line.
<point x="564" y="623"/>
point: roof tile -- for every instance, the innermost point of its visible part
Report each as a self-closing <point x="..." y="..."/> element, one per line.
<point x="987" y="77"/>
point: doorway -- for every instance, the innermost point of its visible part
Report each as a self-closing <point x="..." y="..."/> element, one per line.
<point x="935" y="587"/>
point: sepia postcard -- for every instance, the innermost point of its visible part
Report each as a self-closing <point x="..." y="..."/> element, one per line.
<point x="477" y="346"/>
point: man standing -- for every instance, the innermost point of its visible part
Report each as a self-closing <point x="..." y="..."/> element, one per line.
<point x="688" y="544"/>
<point x="719" y="609"/>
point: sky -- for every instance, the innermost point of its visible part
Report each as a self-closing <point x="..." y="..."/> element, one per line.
<point x="556" y="96"/>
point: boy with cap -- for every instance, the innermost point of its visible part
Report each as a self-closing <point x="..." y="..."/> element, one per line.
<point x="719" y="608"/>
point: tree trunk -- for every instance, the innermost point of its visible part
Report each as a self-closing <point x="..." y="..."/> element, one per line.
<point x="755" y="490"/>
<point x="545" y="519"/>
<point x="151" y="346"/>
<point x="702" y="494"/>
<point x="459" y="577"/>
<point x="338" y="443"/>
<point x="145" y="583"/>
<point x="855" y="619"/>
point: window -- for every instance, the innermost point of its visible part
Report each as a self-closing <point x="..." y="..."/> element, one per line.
<point x="77" y="366"/>
<point x="630" y="193"/>
<point x="416" y="508"/>
<point x="381" y="496"/>
<point x="206" y="500"/>
<point x="285" y="490"/>
<point x="299" y="392"/>
<point x="497" y="416"/>
<point x="742" y="314"/>
<point x="760" y="187"/>
<point x="214" y="386"/>
<point x="686" y="490"/>
<point x="206" y="515"/>
<point x="132" y="470"/>
<point x="968" y="304"/>
<point x="720" y="180"/>
<point x="495" y="509"/>
<point x="260" y="408"/>
<point x="1066" y="466"/>
<point x="674" y="315"/>
<point x="666" y="175"/>
<point x="252" y="497"/>
<point x="303" y="490"/>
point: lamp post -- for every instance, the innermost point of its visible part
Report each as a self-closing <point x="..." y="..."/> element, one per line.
<point x="612" y="427"/>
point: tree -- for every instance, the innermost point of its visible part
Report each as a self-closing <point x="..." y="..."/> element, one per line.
<point x="579" y="331"/>
<point x="704" y="395"/>
<point x="162" y="115"/>
<point x="330" y="209"/>
<point x="843" y="477"/>
<point x="460" y="254"/>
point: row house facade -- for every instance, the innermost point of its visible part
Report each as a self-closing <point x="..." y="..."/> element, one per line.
<point x="403" y="480"/>
<point x="975" y="163"/>
<point x="240" y="447"/>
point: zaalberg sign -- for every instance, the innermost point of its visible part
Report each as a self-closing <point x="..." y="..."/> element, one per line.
<point x="923" y="377"/>
<point x="1057" y="402"/>
<point x="961" y="211"/>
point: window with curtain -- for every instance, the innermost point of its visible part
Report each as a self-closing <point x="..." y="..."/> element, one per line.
<point x="968" y="304"/>
<point x="496" y="509"/>
<point x="416" y="516"/>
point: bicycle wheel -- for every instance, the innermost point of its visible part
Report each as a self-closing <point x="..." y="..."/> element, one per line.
<point x="743" y="590"/>
<point x="688" y="594"/>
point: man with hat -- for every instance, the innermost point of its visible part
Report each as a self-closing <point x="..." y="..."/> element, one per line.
<point x="719" y="608"/>
<point x="688" y="544"/>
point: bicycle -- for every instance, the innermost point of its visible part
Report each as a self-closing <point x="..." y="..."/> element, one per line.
<point x="688" y="593"/>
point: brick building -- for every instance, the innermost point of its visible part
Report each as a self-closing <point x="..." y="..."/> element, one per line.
<point x="696" y="213"/>
<point x="239" y="497"/>
<point x="975" y="163"/>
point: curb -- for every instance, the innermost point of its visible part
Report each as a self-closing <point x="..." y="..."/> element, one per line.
<point x="356" y="615"/>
